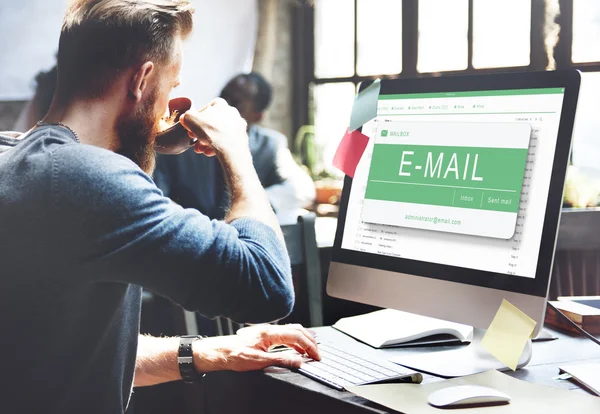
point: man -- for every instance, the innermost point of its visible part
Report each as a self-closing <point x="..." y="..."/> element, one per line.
<point x="83" y="227"/>
<point x="198" y="182"/>
<point x="37" y="107"/>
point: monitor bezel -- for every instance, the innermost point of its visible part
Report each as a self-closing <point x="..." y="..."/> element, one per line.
<point x="538" y="286"/>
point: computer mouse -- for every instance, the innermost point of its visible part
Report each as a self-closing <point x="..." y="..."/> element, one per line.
<point x="467" y="395"/>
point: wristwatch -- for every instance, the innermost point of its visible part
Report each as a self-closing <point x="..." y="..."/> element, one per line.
<point x="185" y="359"/>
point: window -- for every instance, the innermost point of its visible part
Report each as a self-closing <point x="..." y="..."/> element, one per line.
<point x="334" y="38"/>
<point x="357" y="40"/>
<point x="586" y="31"/>
<point x="353" y="40"/>
<point x="379" y="29"/>
<point x="501" y="33"/>
<point x="583" y="35"/>
<point x="587" y="128"/>
<point x="333" y="104"/>
<point x="443" y="31"/>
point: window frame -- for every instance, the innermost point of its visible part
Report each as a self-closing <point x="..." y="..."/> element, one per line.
<point x="303" y="43"/>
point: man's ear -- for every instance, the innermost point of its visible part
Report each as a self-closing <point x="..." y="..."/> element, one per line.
<point x="139" y="80"/>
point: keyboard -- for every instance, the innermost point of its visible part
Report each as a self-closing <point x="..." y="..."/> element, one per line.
<point x="340" y="369"/>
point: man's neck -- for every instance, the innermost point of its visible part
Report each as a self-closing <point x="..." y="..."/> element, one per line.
<point x="93" y="121"/>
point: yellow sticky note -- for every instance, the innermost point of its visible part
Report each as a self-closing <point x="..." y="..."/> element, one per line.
<point x="508" y="333"/>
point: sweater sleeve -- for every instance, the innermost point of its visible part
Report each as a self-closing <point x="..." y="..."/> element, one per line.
<point x="118" y="227"/>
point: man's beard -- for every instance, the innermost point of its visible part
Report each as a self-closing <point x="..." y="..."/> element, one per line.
<point x="137" y="135"/>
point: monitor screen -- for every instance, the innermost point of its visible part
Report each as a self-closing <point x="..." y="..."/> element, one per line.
<point x="458" y="179"/>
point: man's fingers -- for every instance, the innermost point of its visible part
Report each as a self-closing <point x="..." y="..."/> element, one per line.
<point x="190" y="121"/>
<point x="297" y="348"/>
<point x="309" y="346"/>
<point x="210" y="152"/>
<point x="202" y="145"/>
<point x="207" y="150"/>
<point x="307" y="339"/>
<point x="309" y="333"/>
<point x="300" y="342"/>
<point x="253" y="359"/>
<point x="204" y="142"/>
<point x="281" y="359"/>
<point x="194" y="122"/>
<point x="218" y="101"/>
<point x="292" y="335"/>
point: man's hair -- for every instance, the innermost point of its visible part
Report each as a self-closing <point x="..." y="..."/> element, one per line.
<point x="257" y="88"/>
<point x="100" y="38"/>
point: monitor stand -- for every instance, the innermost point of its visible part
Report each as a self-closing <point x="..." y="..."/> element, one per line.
<point x="458" y="362"/>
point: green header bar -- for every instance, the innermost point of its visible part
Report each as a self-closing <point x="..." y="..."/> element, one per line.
<point x="504" y="92"/>
<point x="464" y="177"/>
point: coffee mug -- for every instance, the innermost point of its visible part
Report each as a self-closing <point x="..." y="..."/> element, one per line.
<point x="175" y="139"/>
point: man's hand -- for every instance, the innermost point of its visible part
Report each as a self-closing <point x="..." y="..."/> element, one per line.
<point x="218" y="127"/>
<point x="221" y="131"/>
<point x="249" y="349"/>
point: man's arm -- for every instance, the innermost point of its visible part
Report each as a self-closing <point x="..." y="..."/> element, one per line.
<point x="222" y="132"/>
<point x="156" y="361"/>
<point x="135" y="235"/>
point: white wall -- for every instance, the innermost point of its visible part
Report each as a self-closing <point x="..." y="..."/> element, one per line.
<point x="29" y="30"/>
<point x="221" y="46"/>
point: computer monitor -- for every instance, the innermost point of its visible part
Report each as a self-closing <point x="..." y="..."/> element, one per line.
<point x="455" y="203"/>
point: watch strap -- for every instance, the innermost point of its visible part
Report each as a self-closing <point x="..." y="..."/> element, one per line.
<point x="185" y="359"/>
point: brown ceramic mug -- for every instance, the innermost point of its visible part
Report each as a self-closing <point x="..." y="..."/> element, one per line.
<point x="175" y="139"/>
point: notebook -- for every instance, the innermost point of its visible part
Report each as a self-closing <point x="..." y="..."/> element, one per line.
<point x="587" y="375"/>
<point x="587" y="317"/>
<point x="593" y="301"/>
<point x="392" y="328"/>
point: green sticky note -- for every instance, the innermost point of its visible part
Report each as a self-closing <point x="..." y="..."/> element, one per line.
<point x="365" y="105"/>
<point x="508" y="333"/>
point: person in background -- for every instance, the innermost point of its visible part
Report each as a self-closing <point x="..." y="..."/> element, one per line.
<point x="37" y="107"/>
<point x="84" y="228"/>
<point x="199" y="182"/>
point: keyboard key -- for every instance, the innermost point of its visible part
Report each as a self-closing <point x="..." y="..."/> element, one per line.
<point x="339" y="368"/>
<point x="336" y="361"/>
<point x="339" y="373"/>
<point x="324" y="374"/>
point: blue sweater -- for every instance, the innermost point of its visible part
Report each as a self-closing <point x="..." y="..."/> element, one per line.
<point x="81" y="230"/>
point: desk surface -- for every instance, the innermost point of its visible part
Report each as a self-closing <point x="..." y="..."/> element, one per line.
<point x="283" y="391"/>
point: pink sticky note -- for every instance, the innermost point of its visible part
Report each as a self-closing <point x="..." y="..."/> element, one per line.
<point x="350" y="150"/>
